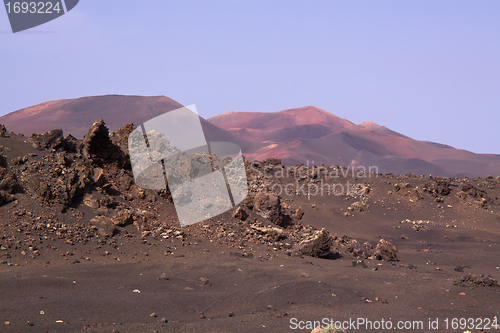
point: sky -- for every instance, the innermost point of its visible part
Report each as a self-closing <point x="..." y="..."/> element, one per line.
<point x="427" y="69"/>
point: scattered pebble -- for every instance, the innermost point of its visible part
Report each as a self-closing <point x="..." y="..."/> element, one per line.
<point x="204" y="282"/>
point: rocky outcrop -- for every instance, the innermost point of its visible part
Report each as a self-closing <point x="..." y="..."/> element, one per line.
<point x="8" y="184"/>
<point x="383" y="251"/>
<point x="53" y="140"/>
<point x="319" y="245"/>
<point x="98" y="147"/>
<point x="57" y="179"/>
<point x="469" y="280"/>
<point x="439" y="187"/>
<point x="120" y="139"/>
<point x="266" y="205"/>
<point x="358" y="249"/>
<point x="3" y="131"/>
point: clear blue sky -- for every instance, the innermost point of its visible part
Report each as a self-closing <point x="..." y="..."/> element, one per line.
<point x="427" y="69"/>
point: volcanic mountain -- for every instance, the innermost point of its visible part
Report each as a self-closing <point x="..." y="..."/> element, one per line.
<point x="76" y="116"/>
<point x="306" y="123"/>
<point x="307" y="135"/>
<point x="312" y="136"/>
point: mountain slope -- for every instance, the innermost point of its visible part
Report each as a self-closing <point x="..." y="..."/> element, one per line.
<point x="76" y="116"/>
<point x="312" y="136"/>
<point x="305" y="122"/>
<point x="387" y="153"/>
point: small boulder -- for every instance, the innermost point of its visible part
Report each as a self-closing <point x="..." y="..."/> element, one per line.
<point x="298" y="214"/>
<point x="8" y="181"/>
<point x="123" y="218"/>
<point x="90" y="201"/>
<point x="20" y="160"/>
<point x="98" y="176"/>
<point x="358" y="206"/>
<point x="3" y="131"/>
<point x="240" y="214"/>
<point x="319" y="245"/>
<point x="104" y="224"/>
<point x="268" y="206"/>
<point x="5" y="198"/>
<point x="204" y="282"/>
<point x="386" y="251"/>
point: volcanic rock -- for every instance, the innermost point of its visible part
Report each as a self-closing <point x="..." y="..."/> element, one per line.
<point x="204" y="282"/>
<point x="20" y="160"/>
<point x="273" y="234"/>
<point x="481" y="280"/>
<point x="439" y="187"/>
<point x="98" y="177"/>
<point x="319" y="245"/>
<point x="90" y="201"/>
<point x="120" y="139"/>
<point x="98" y="146"/>
<point x="123" y="218"/>
<point x="361" y="250"/>
<point x="3" y="161"/>
<point x="3" y="131"/>
<point x="5" y="198"/>
<point x="53" y="140"/>
<point x="240" y="214"/>
<point x="386" y="251"/>
<point x="56" y="180"/>
<point x="358" y="206"/>
<point x="298" y="214"/>
<point x="268" y="206"/>
<point x="104" y="224"/>
<point x="8" y="181"/>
